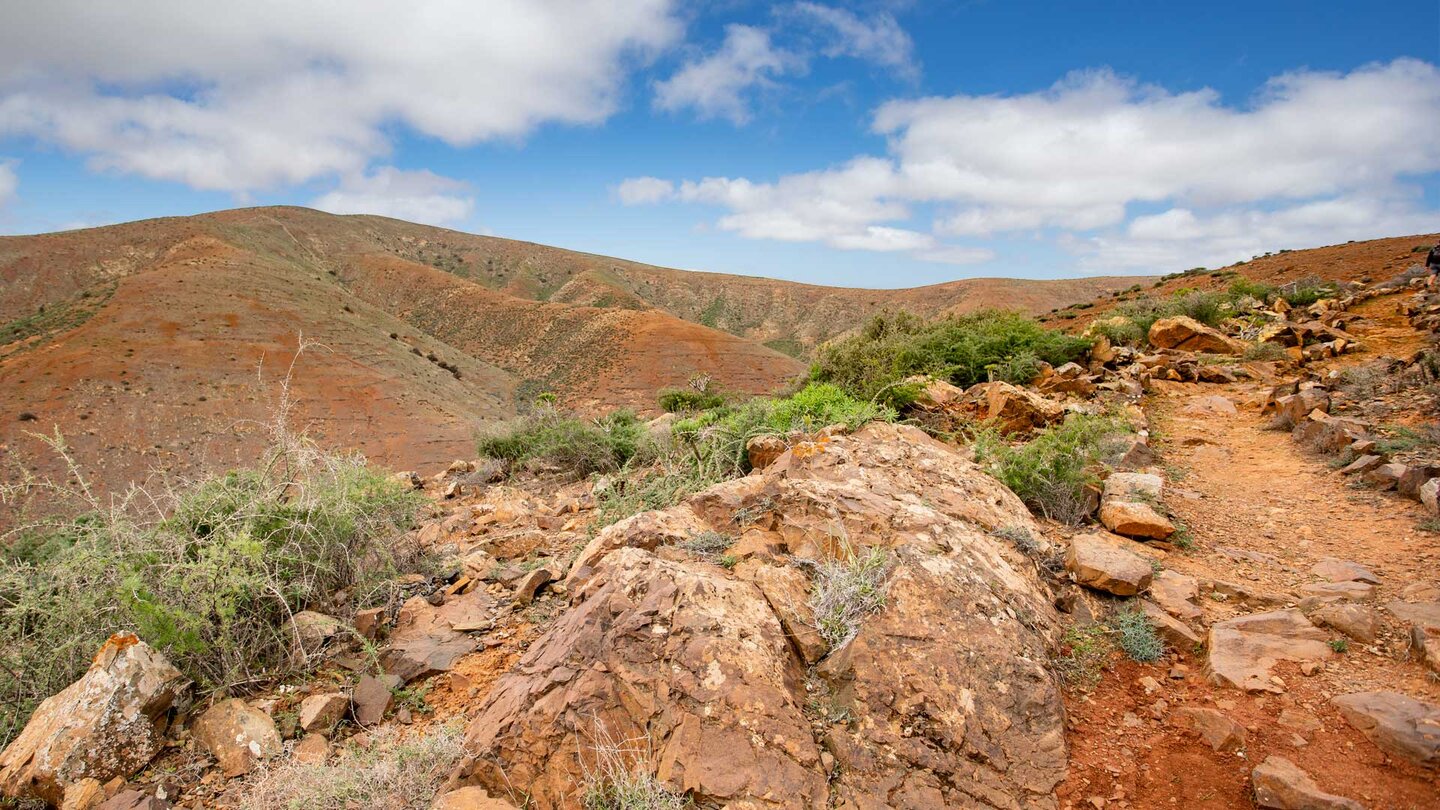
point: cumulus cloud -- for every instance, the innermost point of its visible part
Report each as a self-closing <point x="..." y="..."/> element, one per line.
<point x="878" y="38"/>
<point x="720" y="84"/>
<point x="417" y="196"/>
<point x="641" y="190"/>
<point x="1313" y="158"/>
<point x="9" y="182"/>
<point x="279" y="93"/>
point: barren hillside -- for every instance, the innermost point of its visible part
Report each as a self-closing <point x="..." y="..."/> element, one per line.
<point x="159" y="345"/>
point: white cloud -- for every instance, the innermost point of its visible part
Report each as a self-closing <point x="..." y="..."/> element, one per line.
<point x="273" y="93"/>
<point x="9" y="182"/>
<point x="878" y="38"/>
<point x="641" y="190"/>
<point x="1312" y="156"/>
<point x="718" y="85"/>
<point x="1179" y="237"/>
<point x="416" y="196"/>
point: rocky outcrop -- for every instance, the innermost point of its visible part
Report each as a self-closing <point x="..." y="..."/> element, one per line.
<point x="1398" y="724"/>
<point x="1012" y="409"/>
<point x="1281" y="785"/>
<point x="1127" y="506"/>
<point x="107" y="724"/>
<point x="428" y="639"/>
<point x="1183" y="332"/>
<point x="702" y="666"/>
<point x="1101" y="561"/>
<point x="1243" y="650"/>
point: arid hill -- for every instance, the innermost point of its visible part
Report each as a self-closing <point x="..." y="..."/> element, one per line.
<point x="160" y="344"/>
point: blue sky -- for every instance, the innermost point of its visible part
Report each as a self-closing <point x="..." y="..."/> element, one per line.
<point x="865" y="144"/>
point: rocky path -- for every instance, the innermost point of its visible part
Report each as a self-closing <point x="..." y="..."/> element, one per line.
<point x="1262" y="513"/>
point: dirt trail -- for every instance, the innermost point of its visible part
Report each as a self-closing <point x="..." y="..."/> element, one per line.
<point x="1262" y="511"/>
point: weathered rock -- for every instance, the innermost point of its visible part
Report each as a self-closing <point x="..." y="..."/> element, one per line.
<point x="1424" y="619"/>
<point x="1129" y="452"/>
<point x="1103" y="562"/>
<point x="1356" y="621"/>
<point x="372" y="698"/>
<point x="1293" y="409"/>
<point x="427" y="640"/>
<point x="321" y="713"/>
<point x="1177" y="594"/>
<point x="1183" y="332"/>
<point x="1333" y="570"/>
<point x="787" y="590"/>
<point x="237" y="735"/>
<point x="1327" y="592"/>
<point x="1415" y="477"/>
<point x="1014" y="410"/>
<point x="134" y="800"/>
<point x="1399" y="725"/>
<point x="312" y="749"/>
<point x="1280" y="784"/>
<point x="935" y="395"/>
<point x="313" y="631"/>
<point x="1430" y="495"/>
<point x="1217" y="729"/>
<point x="1175" y="632"/>
<point x="1131" y="486"/>
<point x="369" y="622"/>
<point x="531" y="583"/>
<point x="1210" y="405"/>
<point x="104" y="725"/>
<point x="1384" y="477"/>
<point x="1243" y="650"/>
<point x="1135" y="519"/>
<point x="762" y="451"/>
<point x="470" y="798"/>
<point x="698" y="661"/>
<point x="1363" y="464"/>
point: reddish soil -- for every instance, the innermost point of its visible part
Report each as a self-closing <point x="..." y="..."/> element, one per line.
<point x="1262" y="511"/>
<point x="161" y="343"/>
<point x="1375" y="259"/>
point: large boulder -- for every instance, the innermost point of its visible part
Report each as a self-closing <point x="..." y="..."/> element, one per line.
<point x="699" y="662"/>
<point x="107" y="724"/>
<point x="1245" y="649"/>
<point x="1012" y="409"/>
<point x="1400" y="725"/>
<point x="1183" y="332"/>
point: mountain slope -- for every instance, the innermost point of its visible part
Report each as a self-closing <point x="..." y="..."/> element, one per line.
<point x="161" y="344"/>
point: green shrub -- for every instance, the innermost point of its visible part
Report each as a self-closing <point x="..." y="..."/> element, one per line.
<point x="577" y="446"/>
<point x="1120" y="331"/>
<point x="1087" y="651"/>
<point x="1051" y="472"/>
<point x="963" y="350"/>
<point x="1136" y="635"/>
<point x="211" y="580"/>
<point x="688" y="400"/>
<point x="719" y="434"/>
<point x="1259" y="290"/>
<point x="1308" y="290"/>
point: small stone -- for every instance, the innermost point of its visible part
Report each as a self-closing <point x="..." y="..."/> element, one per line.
<point x="372" y="698"/>
<point x="1218" y="730"/>
<point x="313" y="749"/>
<point x="321" y="713"/>
<point x="1280" y="784"/>
<point x="237" y="735"/>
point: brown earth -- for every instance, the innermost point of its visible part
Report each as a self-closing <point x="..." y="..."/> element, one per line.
<point x="159" y="345"/>
<point x="1262" y="512"/>
<point x="1374" y="259"/>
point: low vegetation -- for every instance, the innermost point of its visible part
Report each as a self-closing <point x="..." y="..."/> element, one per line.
<point x="845" y="591"/>
<point x="1136" y="635"/>
<point x="381" y="769"/>
<point x="1052" y="472"/>
<point x="568" y="443"/>
<point x="209" y="574"/>
<point x="1130" y="323"/>
<point x="963" y="350"/>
